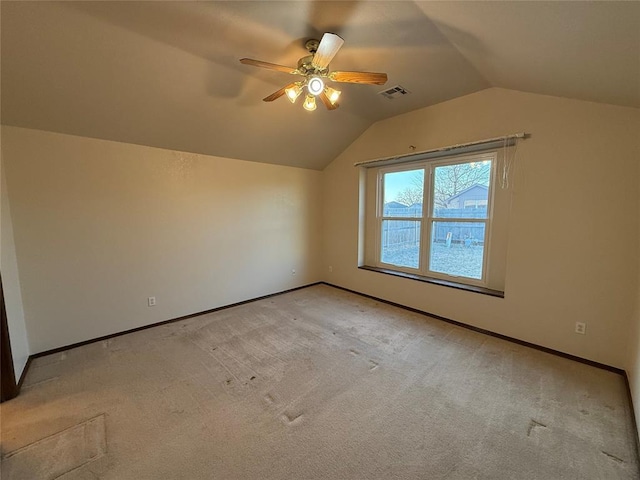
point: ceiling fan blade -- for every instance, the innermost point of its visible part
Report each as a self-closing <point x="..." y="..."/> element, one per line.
<point x="329" y="46"/>
<point x="359" y="77"/>
<point x="270" y="66"/>
<point x="327" y="102"/>
<point x="277" y="94"/>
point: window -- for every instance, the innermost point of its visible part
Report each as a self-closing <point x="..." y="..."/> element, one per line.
<point x="434" y="219"/>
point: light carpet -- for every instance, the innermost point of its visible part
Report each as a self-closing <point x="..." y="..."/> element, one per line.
<point x="317" y="383"/>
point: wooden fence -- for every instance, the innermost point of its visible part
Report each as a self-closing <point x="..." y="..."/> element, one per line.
<point x="406" y="233"/>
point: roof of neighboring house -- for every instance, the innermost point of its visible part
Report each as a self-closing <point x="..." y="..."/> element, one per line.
<point x="477" y="185"/>
<point x="395" y="205"/>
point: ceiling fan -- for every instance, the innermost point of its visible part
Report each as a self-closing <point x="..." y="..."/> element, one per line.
<point x="315" y="70"/>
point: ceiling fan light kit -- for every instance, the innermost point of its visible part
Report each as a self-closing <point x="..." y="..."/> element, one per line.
<point x="332" y="94"/>
<point x="309" y="103"/>
<point x="294" y="92"/>
<point x="315" y="85"/>
<point x="315" y="69"/>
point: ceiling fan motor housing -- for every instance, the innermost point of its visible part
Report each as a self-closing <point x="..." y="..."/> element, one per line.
<point x="306" y="68"/>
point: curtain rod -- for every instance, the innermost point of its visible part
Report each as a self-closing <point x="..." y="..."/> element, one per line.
<point x="437" y="152"/>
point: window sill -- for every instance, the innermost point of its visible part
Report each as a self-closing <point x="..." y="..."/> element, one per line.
<point x="437" y="281"/>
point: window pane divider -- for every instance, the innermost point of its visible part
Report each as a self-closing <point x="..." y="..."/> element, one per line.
<point x="404" y="219"/>
<point x="464" y="219"/>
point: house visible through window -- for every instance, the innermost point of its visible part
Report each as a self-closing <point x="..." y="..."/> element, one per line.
<point x="434" y="218"/>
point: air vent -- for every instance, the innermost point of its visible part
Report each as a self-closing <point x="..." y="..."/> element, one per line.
<point x="394" y="92"/>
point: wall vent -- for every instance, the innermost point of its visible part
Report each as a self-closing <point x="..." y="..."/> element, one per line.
<point x="394" y="92"/>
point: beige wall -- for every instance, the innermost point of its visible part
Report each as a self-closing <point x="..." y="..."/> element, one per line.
<point x="573" y="233"/>
<point x="100" y="226"/>
<point x="11" y="282"/>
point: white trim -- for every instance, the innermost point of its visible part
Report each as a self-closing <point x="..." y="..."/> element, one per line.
<point x="426" y="220"/>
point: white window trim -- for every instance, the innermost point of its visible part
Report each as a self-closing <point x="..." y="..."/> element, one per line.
<point x="427" y="220"/>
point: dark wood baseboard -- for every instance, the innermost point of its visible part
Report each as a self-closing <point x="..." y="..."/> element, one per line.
<point x="388" y="302"/>
<point x="487" y="332"/>
<point x="151" y="325"/>
<point x="551" y="351"/>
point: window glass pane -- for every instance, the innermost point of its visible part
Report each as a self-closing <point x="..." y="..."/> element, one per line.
<point x="461" y="190"/>
<point x="400" y="243"/>
<point x="403" y="193"/>
<point x="457" y="248"/>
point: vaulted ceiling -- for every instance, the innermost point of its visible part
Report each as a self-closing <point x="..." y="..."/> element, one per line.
<point x="166" y="74"/>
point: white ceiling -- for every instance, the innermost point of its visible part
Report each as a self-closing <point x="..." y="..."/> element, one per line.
<point x="166" y="74"/>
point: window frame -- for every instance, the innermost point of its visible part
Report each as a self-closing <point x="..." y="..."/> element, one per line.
<point x="428" y="219"/>
<point x="380" y="218"/>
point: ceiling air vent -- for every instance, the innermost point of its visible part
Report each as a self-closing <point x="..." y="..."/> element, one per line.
<point x="394" y="92"/>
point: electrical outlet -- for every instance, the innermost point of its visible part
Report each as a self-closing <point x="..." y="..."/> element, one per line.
<point x="151" y="301"/>
<point x="330" y="269"/>
<point x="293" y="271"/>
<point x="581" y="328"/>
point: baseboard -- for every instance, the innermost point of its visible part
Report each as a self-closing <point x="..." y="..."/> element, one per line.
<point x="551" y="351"/>
<point x="382" y="300"/>
<point x="388" y="302"/>
<point x="524" y="343"/>
<point x="151" y="325"/>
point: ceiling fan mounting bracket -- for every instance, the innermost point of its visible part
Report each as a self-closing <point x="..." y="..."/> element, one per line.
<point x="312" y="45"/>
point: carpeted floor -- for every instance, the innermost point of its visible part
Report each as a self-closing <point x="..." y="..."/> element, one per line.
<point x="317" y="383"/>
